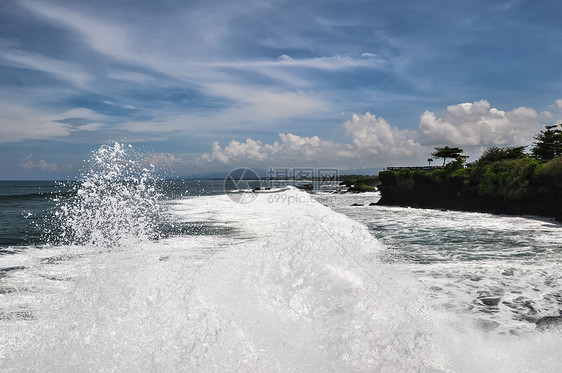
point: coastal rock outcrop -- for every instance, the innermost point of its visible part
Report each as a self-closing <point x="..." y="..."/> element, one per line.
<point x="549" y="323"/>
<point x="459" y="189"/>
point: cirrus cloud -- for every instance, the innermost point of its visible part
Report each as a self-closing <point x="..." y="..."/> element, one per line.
<point x="20" y="123"/>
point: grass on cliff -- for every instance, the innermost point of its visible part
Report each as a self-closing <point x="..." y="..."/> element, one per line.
<point x="510" y="178"/>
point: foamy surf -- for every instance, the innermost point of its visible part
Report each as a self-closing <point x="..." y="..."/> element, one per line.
<point x="287" y="292"/>
<point x="297" y="287"/>
<point x="285" y="284"/>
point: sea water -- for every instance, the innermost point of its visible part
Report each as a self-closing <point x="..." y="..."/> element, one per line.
<point x="123" y="272"/>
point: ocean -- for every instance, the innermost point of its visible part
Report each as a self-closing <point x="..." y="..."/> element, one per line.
<point x="122" y="271"/>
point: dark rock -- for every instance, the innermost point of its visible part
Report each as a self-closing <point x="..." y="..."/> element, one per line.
<point x="423" y="190"/>
<point x="308" y="186"/>
<point x="490" y="301"/>
<point x="372" y="204"/>
<point x="357" y="204"/>
<point x="508" y="272"/>
<point x="549" y="323"/>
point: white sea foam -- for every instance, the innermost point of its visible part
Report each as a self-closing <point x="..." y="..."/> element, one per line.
<point x="298" y="287"/>
<point x="469" y="261"/>
<point x="114" y="202"/>
<point x="293" y="286"/>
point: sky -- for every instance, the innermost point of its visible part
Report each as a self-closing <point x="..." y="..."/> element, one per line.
<point x="207" y="86"/>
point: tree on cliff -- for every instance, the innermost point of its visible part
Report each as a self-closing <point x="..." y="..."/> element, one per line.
<point x="448" y="152"/>
<point x="548" y="144"/>
<point x="494" y="154"/>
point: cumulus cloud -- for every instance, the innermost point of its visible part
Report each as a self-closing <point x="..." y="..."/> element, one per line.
<point x="291" y="150"/>
<point x="372" y="135"/>
<point x="478" y="124"/>
<point x="160" y="160"/>
<point x="373" y="143"/>
<point x="29" y="165"/>
<point x="559" y="103"/>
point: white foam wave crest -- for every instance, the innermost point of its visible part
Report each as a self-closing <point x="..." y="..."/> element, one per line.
<point x="115" y="201"/>
<point x="298" y="288"/>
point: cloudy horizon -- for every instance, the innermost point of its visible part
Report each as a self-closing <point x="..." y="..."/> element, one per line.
<point x="202" y="87"/>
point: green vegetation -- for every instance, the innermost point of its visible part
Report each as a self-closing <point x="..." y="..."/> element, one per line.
<point x="360" y="183"/>
<point x="548" y="144"/>
<point x="502" y="177"/>
<point x="447" y="152"/>
<point x="494" y="154"/>
<point x="508" y="179"/>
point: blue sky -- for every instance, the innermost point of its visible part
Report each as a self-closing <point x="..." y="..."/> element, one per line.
<point x="205" y="86"/>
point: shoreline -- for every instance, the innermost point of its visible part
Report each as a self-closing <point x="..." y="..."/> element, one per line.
<point x="468" y="204"/>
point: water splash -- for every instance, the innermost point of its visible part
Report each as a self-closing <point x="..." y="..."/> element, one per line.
<point x="115" y="203"/>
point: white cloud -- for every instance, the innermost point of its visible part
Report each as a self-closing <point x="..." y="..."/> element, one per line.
<point x="291" y="150"/>
<point x="289" y="70"/>
<point x="329" y="63"/>
<point x="559" y="103"/>
<point x="372" y="135"/>
<point x="58" y="68"/>
<point x="89" y="127"/>
<point x="111" y="103"/>
<point x="179" y="123"/>
<point x="160" y="160"/>
<point x="83" y="113"/>
<point x="106" y="38"/>
<point x="478" y="124"/>
<point x="29" y="165"/>
<point x="263" y="105"/>
<point x="18" y="123"/>
<point x="132" y="76"/>
<point x="374" y="143"/>
<point x="255" y="109"/>
<point x="547" y="114"/>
